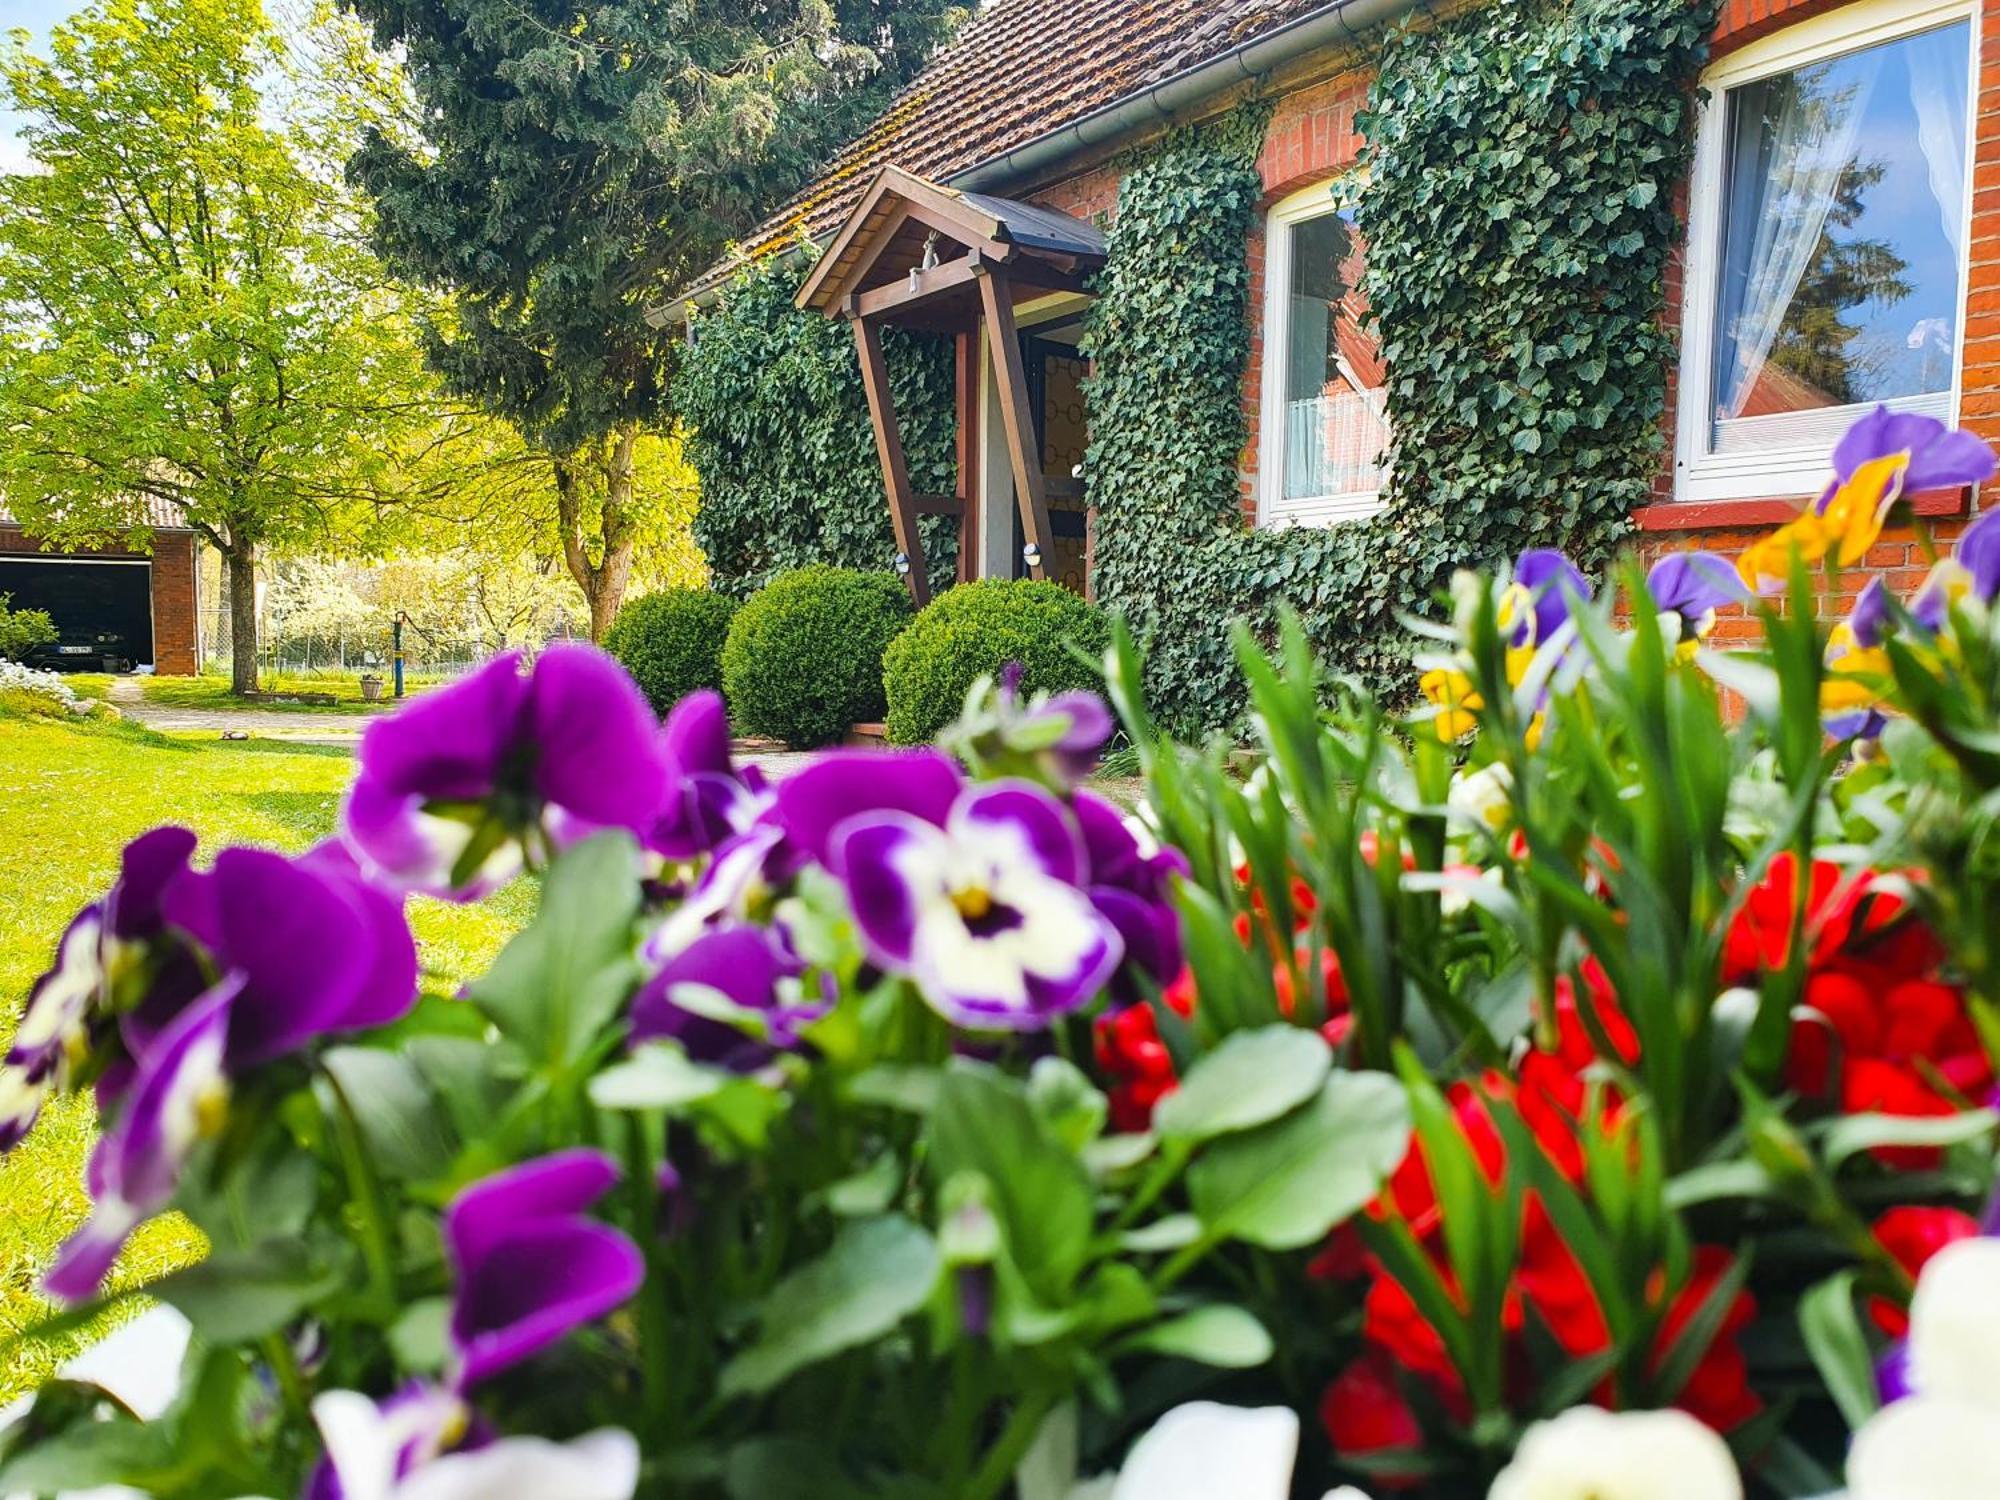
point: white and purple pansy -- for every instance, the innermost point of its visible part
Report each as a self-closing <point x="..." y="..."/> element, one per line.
<point x="416" y="1446"/>
<point x="531" y="1265"/>
<point x="176" y="1099"/>
<point x="104" y="944"/>
<point x="459" y="790"/>
<point x="1131" y="883"/>
<point x="732" y="997"/>
<point x="986" y="910"/>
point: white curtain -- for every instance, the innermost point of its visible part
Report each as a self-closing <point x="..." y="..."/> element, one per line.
<point x="1801" y="152"/>
<point x="1937" y="64"/>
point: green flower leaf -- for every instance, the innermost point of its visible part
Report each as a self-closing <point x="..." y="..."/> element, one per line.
<point x="878" y="1272"/>
<point x="1253" y="1077"/>
<point x="1284" y="1184"/>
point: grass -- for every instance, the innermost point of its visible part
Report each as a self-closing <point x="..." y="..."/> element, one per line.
<point x="212" y="690"/>
<point x="71" y="795"/>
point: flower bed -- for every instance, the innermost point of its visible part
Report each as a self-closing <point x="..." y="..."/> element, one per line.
<point x="1567" y="1090"/>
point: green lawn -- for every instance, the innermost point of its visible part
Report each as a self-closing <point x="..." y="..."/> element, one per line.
<point x="212" y="690"/>
<point x="71" y="795"/>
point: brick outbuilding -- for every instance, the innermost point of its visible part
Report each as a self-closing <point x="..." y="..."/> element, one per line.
<point x="140" y="605"/>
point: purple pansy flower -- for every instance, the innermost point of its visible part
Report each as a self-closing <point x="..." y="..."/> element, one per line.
<point x="708" y="800"/>
<point x="174" y="1101"/>
<point x="1546" y="584"/>
<point x="1868" y="621"/>
<point x="1052" y="739"/>
<point x="1694" y="585"/>
<point x="530" y="1266"/>
<point x="987" y="913"/>
<point x="457" y="791"/>
<point x="1971" y="572"/>
<point x="750" y="972"/>
<point x="1131" y="883"/>
<point x="1940" y="457"/>
<point x="318" y="949"/>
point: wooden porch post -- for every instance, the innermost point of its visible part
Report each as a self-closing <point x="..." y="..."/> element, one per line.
<point x="966" y="369"/>
<point x="889" y="448"/>
<point x="1016" y="417"/>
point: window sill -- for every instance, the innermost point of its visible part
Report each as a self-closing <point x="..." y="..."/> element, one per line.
<point x="1726" y="515"/>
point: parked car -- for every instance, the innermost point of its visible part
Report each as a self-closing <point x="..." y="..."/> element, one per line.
<point x="84" y="650"/>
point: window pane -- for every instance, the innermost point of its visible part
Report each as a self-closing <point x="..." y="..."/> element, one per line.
<point x="1844" y="215"/>
<point x="1335" y="422"/>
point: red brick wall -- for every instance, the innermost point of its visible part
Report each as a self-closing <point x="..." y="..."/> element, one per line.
<point x="1312" y="139"/>
<point x="175" y="649"/>
<point x="176" y="642"/>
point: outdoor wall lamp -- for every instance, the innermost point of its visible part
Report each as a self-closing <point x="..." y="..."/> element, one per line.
<point x="1031" y="555"/>
<point x="902" y="564"/>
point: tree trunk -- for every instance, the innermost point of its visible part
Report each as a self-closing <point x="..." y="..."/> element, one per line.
<point x="600" y="471"/>
<point x="241" y="561"/>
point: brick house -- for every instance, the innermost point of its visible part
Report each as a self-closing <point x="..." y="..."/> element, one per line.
<point x="146" y="598"/>
<point x="1804" y="99"/>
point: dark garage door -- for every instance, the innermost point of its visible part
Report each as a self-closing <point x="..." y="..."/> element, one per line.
<point x="84" y="596"/>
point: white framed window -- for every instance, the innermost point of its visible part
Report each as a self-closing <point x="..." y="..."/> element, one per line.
<point x="1828" y="228"/>
<point x="1324" y="427"/>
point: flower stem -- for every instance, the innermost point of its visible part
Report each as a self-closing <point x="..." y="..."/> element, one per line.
<point x="655" y="1324"/>
<point x="1004" y="1457"/>
<point x="376" y="1243"/>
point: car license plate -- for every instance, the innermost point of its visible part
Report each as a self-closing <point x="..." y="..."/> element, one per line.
<point x="74" y="650"/>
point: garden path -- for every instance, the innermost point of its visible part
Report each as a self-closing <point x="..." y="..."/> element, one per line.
<point x="334" y="728"/>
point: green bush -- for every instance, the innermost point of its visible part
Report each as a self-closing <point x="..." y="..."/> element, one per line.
<point x="973" y="631"/>
<point x="671" y="642"/>
<point x="21" y="630"/>
<point x="804" y="656"/>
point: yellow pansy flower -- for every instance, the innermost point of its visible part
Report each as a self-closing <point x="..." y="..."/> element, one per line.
<point x="1458" y="702"/>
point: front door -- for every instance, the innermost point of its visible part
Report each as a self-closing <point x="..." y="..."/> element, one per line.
<point x="1055" y="394"/>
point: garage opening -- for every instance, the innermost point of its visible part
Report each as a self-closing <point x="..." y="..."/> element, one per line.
<point x="90" y="599"/>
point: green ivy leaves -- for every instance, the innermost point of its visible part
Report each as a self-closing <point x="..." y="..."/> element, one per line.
<point x="1517" y="205"/>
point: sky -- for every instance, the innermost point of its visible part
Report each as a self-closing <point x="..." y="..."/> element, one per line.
<point x="34" y="17"/>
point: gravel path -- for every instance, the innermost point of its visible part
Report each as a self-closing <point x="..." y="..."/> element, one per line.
<point x="322" y="727"/>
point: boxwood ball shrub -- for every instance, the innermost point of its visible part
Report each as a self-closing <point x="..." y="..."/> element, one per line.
<point x="671" y="642"/>
<point x="803" y="660"/>
<point x="976" y="629"/>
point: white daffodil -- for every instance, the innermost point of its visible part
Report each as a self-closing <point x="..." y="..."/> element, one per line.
<point x="1200" y="1451"/>
<point x="1588" y="1453"/>
<point x="1955" y="1325"/>
<point x="395" y="1450"/>
<point x="1942" y="1441"/>
<point x="1482" y="799"/>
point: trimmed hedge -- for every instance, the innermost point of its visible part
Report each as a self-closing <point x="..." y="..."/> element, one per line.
<point x="803" y="660"/>
<point x="976" y="629"/>
<point x="671" y="642"/>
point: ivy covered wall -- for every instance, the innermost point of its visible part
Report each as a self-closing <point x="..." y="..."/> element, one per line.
<point x="1520" y="169"/>
<point x="779" y="434"/>
<point x="1521" y="165"/>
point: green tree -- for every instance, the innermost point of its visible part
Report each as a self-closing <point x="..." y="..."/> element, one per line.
<point x="566" y="165"/>
<point x="192" y="313"/>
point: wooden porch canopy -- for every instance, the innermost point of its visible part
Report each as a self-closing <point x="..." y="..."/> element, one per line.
<point x="922" y="256"/>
